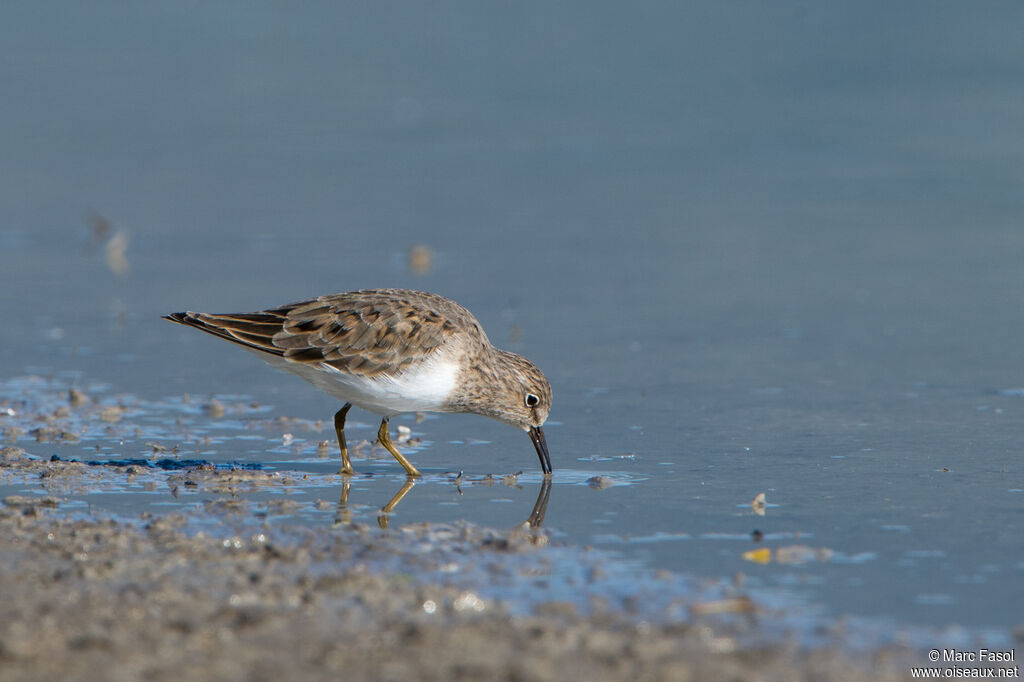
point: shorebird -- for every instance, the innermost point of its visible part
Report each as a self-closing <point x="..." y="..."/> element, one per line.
<point x="391" y="351"/>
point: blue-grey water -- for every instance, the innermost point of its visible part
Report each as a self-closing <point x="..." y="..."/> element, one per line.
<point x="755" y="247"/>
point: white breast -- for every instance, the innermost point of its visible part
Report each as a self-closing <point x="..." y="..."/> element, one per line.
<point x="424" y="388"/>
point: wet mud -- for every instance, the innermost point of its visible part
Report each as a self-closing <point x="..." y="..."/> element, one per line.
<point x="218" y="592"/>
<point x="93" y="599"/>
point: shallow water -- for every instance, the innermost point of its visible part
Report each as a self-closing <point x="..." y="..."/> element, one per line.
<point x="777" y="252"/>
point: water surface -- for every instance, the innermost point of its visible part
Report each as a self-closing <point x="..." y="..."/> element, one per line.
<point x="761" y="249"/>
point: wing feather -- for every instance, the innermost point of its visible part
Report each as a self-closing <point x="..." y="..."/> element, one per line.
<point x="370" y="332"/>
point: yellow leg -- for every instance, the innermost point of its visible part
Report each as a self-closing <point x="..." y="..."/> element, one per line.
<point x="385" y="440"/>
<point x="339" y="428"/>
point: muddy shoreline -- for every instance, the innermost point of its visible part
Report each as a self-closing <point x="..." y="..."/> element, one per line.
<point x="220" y="593"/>
<point x="94" y="599"/>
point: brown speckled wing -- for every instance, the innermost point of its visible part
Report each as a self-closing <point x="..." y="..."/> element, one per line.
<point x="371" y="332"/>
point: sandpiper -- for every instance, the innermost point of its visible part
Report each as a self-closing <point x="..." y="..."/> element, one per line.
<point x="391" y="351"/>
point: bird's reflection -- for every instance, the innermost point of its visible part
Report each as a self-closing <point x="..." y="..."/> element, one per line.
<point x="344" y="517"/>
<point x="540" y="507"/>
<point x="385" y="511"/>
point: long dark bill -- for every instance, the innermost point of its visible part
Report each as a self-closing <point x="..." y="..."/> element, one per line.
<point x="537" y="436"/>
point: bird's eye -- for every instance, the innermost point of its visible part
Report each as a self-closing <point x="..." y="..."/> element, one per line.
<point x="532" y="400"/>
